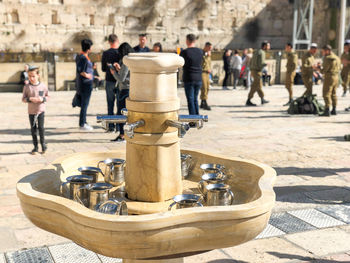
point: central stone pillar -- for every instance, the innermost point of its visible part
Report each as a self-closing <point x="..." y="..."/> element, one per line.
<point x="153" y="170"/>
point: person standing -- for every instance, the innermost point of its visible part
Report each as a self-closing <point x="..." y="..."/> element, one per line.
<point x="246" y="63"/>
<point x="84" y="81"/>
<point x="206" y="70"/>
<point x="24" y="75"/>
<point x="192" y="73"/>
<point x="122" y="74"/>
<point x="292" y="62"/>
<point x="110" y="56"/>
<point x="227" y="57"/>
<point x="141" y="47"/>
<point x="235" y="67"/>
<point x="331" y="68"/>
<point x="307" y="68"/>
<point x="36" y="95"/>
<point x="257" y="64"/>
<point x="345" y="60"/>
<point x="157" y="47"/>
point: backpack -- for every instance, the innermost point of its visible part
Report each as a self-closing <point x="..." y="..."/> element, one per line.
<point x="306" y="105"/>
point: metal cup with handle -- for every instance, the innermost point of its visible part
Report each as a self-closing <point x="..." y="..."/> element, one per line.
<point x="92" y="194"/>
<point x="186" y="201"/>
<point x="210" y="178"/>
<point x="212" y="168"/>
<point x="89" y="170"/>
<point x="186" y="165"/>
<point x="113" y="207"/>
<point x="219" y="194"/>
<point x="73" y="183"/>
<point x="114" y="171"/>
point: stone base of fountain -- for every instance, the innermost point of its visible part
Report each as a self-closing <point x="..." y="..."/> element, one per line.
<point x="152" y="232"/>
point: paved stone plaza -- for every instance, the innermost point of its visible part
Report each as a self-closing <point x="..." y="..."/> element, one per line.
<point x="311" y="217"/>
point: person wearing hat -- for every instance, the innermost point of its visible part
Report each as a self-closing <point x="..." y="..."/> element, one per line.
<point x="345" y="60"/>
<point x="307" y="68"/>
<point x="331" y="68"/>
<point x="292" y="62"/>
<point x="257" y="64"/>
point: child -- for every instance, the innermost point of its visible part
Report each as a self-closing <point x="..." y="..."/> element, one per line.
<point x="36" y="94"/>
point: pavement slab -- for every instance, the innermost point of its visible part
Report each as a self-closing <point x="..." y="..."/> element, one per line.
<point x="34" y="255"/>
<point x="289" y="224"/>
<point x="72" y="253"/>
<point x="316" y="218"/>
<point x="340" y="212"/>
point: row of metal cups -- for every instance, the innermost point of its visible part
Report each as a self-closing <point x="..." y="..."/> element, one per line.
<point x="214" y="191"/>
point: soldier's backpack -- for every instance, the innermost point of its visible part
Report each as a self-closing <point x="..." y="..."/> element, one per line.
<point x="306" y="105"/>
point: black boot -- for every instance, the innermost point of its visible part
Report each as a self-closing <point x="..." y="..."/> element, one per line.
<point x="43" y="148"/>
<point x="205" y="105"/>
<point x="326" y="113"/>
<point x="35" y="150"/>
<point x="202" y="103"/>
<point x="249" y="103"/>
<point x="334" y="111"/>
<point x="263" y="101"/>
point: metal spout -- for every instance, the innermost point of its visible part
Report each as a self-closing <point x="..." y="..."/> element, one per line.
<point x="106" y="119"/>
<point x="197" y="119"/>
<point x="130" y="127"/>
<point x="182" y="127"/>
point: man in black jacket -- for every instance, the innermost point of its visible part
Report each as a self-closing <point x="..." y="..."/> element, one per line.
<point x="111" y="56"/>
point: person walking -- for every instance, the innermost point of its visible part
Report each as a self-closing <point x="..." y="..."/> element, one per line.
<point x="331" y="68"/>
<point x="257" y="64"/>
<point x="345" y="60"/>
<point x="122" y="75"/>
<point x="192" y="73"/>
<point x="84" y="81"/>
<point x="36" y="95"/>
<point x="292" y="62"/>
<point x="206" y="70"/>
<point x="227" y="57"/>
<point x="246" y="64"/>
<point x="110" y="56"/>
<point x="235" y="67"/>
<point x="307" y="68"/>
<point x="141" y="47"/>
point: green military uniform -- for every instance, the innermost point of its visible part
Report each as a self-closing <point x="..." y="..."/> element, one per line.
<point x="331" y="68"/>
<point x="345" y="71"/>
<point x="307" y="71"/>
<point x="292" y="62"/>
<point x="206" y="68"/>
<point x="257" y="63"/>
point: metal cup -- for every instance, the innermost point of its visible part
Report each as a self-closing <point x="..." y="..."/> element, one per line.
<point x="113" y="207"/>
<point x="210" y="178"/>
<point x="186" y="165"/>
<point x="93" y="194"/>
<point x="219" y="194"/>
<point x="212" y="168"/>
<point x="186" y="201"/>
<point x="89" y="170"/>
<point x="74" y="183"/>
<point x="114" y="171"/>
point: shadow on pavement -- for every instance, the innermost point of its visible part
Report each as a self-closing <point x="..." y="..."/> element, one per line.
<point x="226" y="261"/>
<point x="256" y="111"/>
<point x="330" y="138"/>
<point x="313" y="172"/>
<point x="263" y="117"/>
<point x="49" y="131"/>
<point x="58" y="141"/>
<point x="304" y="259"/>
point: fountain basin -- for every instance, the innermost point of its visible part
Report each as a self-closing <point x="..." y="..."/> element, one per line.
<point x="157" y="233"/>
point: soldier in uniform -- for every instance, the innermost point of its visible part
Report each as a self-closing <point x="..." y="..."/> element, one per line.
<point x="331" y="68"/>
<point x="345" y="60"/>
<point x="292" y="62"/>
<point x="206" y="69"/>
<point x="257" y="63"/>
<point x="307" y="68"/>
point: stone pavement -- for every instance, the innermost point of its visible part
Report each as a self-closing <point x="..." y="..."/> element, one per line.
<point x="308" y="152"/>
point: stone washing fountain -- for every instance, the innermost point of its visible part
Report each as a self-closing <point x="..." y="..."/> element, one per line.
<point x="151" y="233"/>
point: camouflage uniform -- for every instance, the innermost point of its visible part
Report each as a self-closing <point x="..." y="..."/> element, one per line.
<point x="292" y="62"/>
<point x="206" y="67"/>
<point x="257" y="63"/>
<point x="345" y="71"/>
<point x="331" y="68"/>
<point x="307" y="71"/>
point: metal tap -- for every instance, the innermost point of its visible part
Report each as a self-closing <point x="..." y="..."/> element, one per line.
<point x="130" y="127"/>
<point x="182" y="127"/>
<point x="106" y="119"/>
<point x="197" y="119"/>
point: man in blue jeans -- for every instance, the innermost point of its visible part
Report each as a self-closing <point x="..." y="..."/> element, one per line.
<point x="111" y="56"/>
<point x="192" y="73"/>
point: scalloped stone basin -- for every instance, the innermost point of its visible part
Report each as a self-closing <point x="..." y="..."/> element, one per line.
<point x="165" y="234"/>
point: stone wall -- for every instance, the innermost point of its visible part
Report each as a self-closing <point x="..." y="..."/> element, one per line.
<point x="55" y="25"/>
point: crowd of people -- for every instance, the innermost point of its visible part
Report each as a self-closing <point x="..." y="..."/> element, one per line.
<point x="250" y="68"/>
